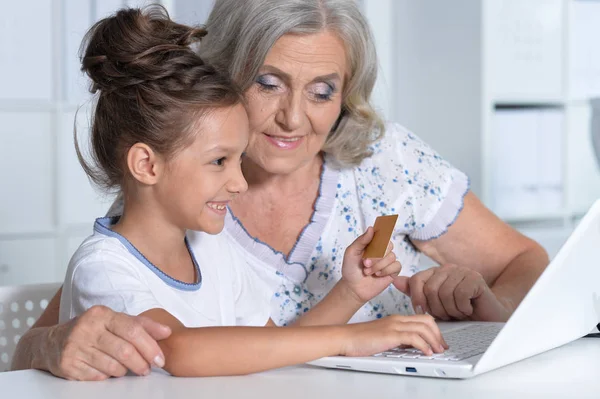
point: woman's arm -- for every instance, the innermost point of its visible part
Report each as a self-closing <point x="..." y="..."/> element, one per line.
<point x="216" y="351"/>
<point x="31" y="347"/>
<point x="97" y="345"/>
<point x="495" y="266"/>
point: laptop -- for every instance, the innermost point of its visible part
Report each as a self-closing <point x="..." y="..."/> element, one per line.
<point x="562" y="306"/>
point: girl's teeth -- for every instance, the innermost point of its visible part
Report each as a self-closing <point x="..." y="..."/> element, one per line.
<point x="215" y="206"/>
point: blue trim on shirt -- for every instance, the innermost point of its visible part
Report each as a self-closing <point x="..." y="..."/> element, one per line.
<point x="102" y="226"/>
<point x="312" y="215"/>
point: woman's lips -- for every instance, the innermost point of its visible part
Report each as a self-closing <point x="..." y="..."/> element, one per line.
<point x="285" y="143"/>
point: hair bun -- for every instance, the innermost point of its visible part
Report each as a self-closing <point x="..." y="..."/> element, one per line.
<point x="137" y="46"/>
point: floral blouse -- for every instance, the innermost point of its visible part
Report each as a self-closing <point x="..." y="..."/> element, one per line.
<point x="404" y="176"/>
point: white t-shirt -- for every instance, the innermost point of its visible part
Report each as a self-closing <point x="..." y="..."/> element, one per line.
<point x="108" y="270"/>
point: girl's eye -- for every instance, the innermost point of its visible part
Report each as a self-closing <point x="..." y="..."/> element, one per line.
<point x="268" y="82"/>
<point x="219" y="162"/>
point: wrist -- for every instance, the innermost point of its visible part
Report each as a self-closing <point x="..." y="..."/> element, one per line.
<point x="348" y="295"/>
<point x="502" y="307"/>
<point x="341" y="339"/>
<point x="41" y="347"/>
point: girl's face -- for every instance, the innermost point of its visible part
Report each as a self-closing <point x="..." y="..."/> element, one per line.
<point x="203" y="178"/>
<point x="295" y="100"/>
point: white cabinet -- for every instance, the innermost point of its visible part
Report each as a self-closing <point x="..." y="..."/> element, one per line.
<point x="583" y="173"/>
<point x="26" y="172"/>
<point x="501" y="89"/>
<point x="30" y="261"/>
<point x="525" y="49"/>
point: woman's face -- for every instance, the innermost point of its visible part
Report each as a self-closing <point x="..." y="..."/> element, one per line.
<point x="295" y="100"/>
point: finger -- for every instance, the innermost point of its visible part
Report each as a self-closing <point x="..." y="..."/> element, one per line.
<point x="391" y="270"/>
<point x="106" y="364"/>
<point x="416" y="284"/>
<point x="425" y="326"/>
<point x="383" y="262"/>
<point x="447" y="295"/>
<point x="416" y="341"/>
<point x="122" y="351"/>
<point x="402" y="284"/>
<point x="370" y="262"/>
<point x="431" y="289"/>
<point x="156" y="330"/>
<point x="430" y="321"/>
<point x="358" y="246"/>
<point x="81" y="371"/>
<point x="133" y="330"/>
<point x="464" y="294"/>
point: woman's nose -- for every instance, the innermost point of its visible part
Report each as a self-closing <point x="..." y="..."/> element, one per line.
<point x="291" y="113"/>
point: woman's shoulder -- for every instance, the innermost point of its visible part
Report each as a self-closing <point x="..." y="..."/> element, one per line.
<point x="399" y="144"/>
<point x="404" y="175"/>
<point x="403" y="158"/>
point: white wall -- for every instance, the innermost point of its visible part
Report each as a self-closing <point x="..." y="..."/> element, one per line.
<point x="47" y="205"/>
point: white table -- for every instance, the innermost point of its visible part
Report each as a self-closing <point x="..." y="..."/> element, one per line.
<point x="572" y="371"/>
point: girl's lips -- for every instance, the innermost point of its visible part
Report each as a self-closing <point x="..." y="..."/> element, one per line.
<point x="219" y="208"/>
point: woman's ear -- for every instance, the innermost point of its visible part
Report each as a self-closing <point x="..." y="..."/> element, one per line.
<point x="145" y="165"/>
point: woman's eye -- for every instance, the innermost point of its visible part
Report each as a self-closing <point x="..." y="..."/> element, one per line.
<point x="219" y="162"/>
<point x="267" y="82"/>
<point x="323" y="91"/>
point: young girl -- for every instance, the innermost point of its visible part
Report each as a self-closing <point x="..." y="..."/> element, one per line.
<point x="169" y="131"/>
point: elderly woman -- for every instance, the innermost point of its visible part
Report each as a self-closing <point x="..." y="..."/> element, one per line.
<point x="320" y="166"/>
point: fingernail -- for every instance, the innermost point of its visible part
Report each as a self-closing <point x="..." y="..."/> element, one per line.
<point x="378" y="274"/>
<point x="146" y="373"/>
<point x="159" y="361"/>
<point x="442" y="349"/>
<point x="419" y="309"/>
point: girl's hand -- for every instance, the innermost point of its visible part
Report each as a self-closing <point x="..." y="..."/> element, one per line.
<point x="420" y="332"/>
<point x="369" y="277"/>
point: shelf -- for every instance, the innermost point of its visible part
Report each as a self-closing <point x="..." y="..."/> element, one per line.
<point x="527" y="104"/>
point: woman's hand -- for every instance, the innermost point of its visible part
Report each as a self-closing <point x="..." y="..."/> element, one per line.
<point x="102" y="343"/>
<point x="452" y="292"/>
<point x="421" y="332"/>
<point x="369" y="277"/>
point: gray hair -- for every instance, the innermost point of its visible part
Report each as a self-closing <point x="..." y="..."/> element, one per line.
<point x="241" y="33"/>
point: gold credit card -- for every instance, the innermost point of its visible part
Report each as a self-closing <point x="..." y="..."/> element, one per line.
<point x="384" y="227"/>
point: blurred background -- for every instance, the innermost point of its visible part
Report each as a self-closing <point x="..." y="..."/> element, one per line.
<point x="503" y="89"/>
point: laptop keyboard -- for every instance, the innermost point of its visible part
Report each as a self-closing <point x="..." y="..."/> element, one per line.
<point x="463" y="343"/>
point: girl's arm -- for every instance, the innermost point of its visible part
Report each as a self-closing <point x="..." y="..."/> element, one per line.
<point x="217" y="351"/>
<point x="358" y="284"/>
